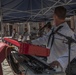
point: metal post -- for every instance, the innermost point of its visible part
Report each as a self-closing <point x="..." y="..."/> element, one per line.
<point x="1" y="17"/>
<point x="42" y="6"/>
<point x="74" y="21"/>
<point x="28" y="26"/>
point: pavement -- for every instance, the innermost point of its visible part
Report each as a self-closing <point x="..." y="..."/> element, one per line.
<point x="6" y="68"/>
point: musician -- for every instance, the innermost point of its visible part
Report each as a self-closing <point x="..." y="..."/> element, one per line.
<point x="41" y="32"/>
<point x="58" y="44"/>
<point x="25" y="35"/>
<point x="14" y="33"/>
<point x="48" y="27"/>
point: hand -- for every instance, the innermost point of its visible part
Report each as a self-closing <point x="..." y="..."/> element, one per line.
<point x="54" y="64"/>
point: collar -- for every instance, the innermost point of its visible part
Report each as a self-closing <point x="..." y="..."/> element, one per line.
<point x="64" y="24"/>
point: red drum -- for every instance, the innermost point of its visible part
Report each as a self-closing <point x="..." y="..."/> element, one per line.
<point x="3" y="51"/>
<point x="30" y="49"/>
<point x="12" y="41"/>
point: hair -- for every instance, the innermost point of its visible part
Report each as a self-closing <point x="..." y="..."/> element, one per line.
<point x="49" y="25"/>
<point x="34" y="28"/>
<point x="25" y="29"/>
<point x="14" y="29"/>
<point x="60" y="12"/>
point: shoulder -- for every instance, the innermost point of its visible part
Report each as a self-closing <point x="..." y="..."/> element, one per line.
<point x="66" y="30"/>
<point x="50" y="31"/>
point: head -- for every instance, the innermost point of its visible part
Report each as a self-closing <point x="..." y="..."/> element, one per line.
<point x="59" y="15"/>
<point x="49" y="26"/>
<point x="34" y="28"/>
<point x="14" y="29"/>
<point x="25" y="29"/>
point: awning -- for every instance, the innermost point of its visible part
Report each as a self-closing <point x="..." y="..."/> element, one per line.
<point x="33" y="10"/>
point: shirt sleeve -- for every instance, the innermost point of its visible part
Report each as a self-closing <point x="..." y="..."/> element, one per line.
<point x="42" y="40"/>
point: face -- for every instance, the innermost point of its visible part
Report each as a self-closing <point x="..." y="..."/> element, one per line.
<point x="55" y="19"/>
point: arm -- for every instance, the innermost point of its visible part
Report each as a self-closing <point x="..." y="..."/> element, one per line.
<point x="64" y="57"/>
<point x="41" y="40"/>
<point x="63" y="60"/>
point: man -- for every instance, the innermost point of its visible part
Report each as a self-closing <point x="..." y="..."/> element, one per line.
<point x="25" y="35"/>
<point x="48" y="27"/>
<point x="58" y="44"/>
<point x="14" y="33"/>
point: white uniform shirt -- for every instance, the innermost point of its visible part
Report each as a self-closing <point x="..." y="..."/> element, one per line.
<point x="13" y="34"/>
<point x="25" y="36"/>
<point x="59" y="49"/>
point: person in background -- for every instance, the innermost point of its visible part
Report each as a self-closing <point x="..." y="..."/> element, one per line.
<point x="48" y="27"/>
<point x="25" y="35"/>
<point x="41" y="32"/>
<point x="5" y="31"/>
<point x="56" y="43"/>
<point x="14" y="33"/>
<point x="34" y="31"/>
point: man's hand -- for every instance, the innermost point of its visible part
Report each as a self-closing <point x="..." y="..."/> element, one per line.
<point x="54" y="64"/>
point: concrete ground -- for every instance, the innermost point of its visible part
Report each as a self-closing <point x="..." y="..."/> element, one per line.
<point x="6" y="68"/>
